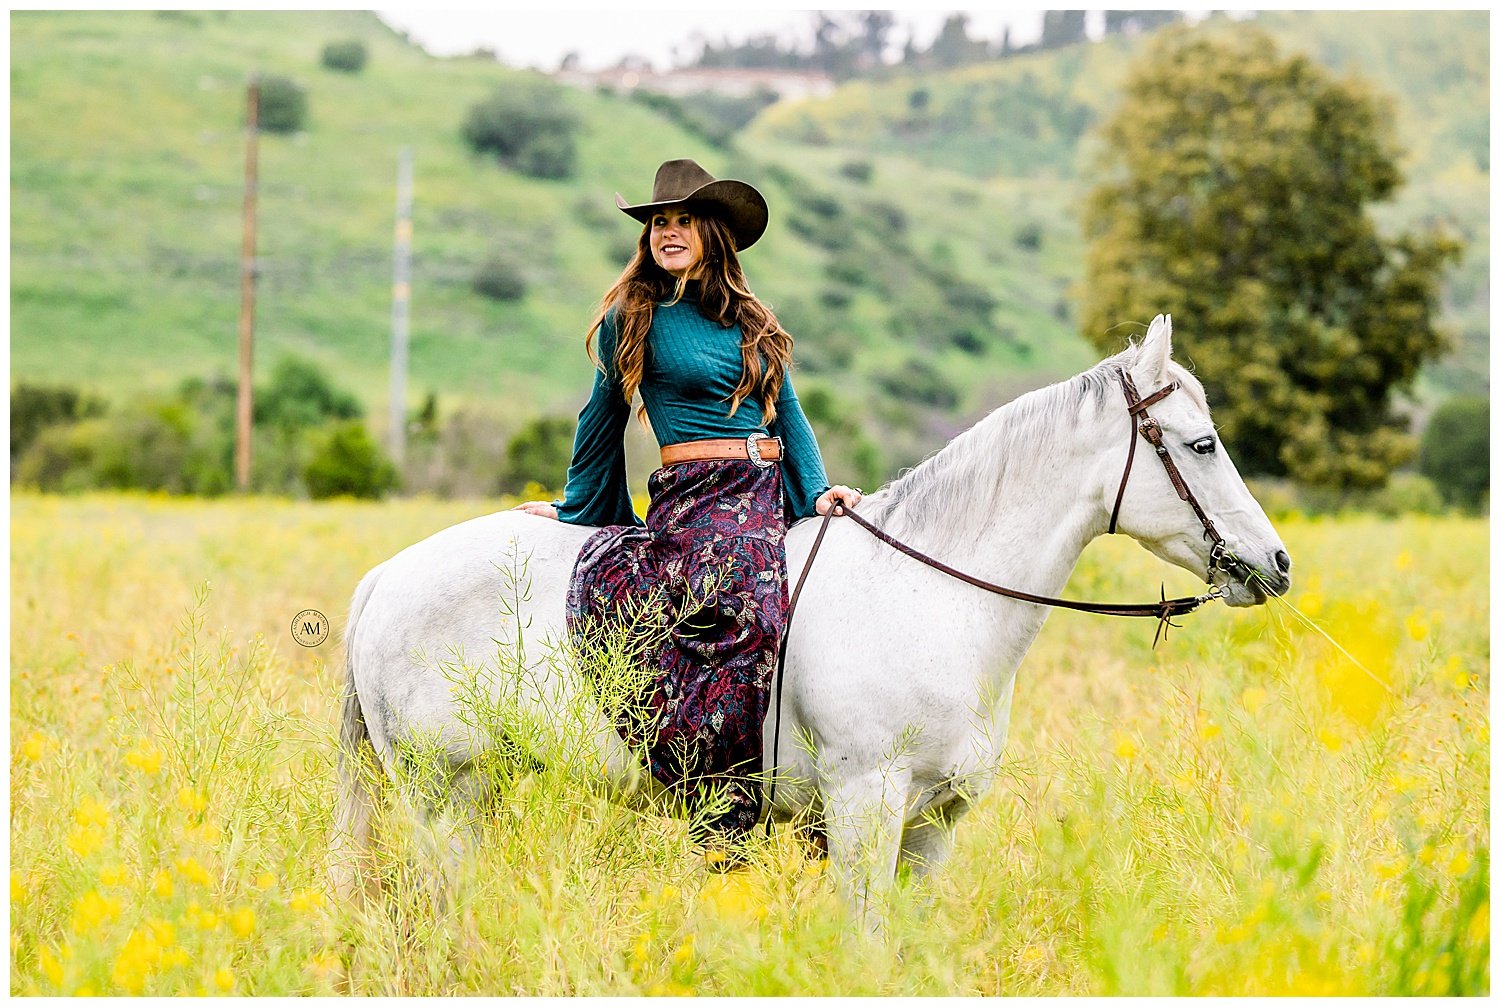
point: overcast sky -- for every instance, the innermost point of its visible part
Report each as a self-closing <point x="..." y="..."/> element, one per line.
<point x="540" y="38"/>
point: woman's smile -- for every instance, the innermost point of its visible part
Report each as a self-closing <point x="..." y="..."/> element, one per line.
<point x="675" y="244"/>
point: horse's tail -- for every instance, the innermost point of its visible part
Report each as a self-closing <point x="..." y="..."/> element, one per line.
<point x="354" y="807"/>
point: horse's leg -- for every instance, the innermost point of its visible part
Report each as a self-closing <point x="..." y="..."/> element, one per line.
<point x="863" y="818"/>
<point x="448" y="823"/>
<point x="926" y="842"/>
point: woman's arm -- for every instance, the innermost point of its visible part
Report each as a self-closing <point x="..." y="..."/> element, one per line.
<point x="597" y="492"/>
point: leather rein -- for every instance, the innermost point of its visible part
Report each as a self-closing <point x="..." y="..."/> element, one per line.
<point x="1142" y="424"/>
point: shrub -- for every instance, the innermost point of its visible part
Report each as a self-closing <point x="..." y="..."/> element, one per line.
<point x="61" y="458"/>
<point x="346" y="56"/>
<point x="922" y="383"/>
<point x="1455" y="450"/>
<point x="344" y="461"/>
<point x="33" y="408"/>
<point x="500" y="279"/>
<point x="858" y="171"/>
<point x="300" y="396"/>
<point x="525" y="125"/>
<point x="1406" y="493"/>
<point x="283" y="105"/>
<point x="539" y="453"/>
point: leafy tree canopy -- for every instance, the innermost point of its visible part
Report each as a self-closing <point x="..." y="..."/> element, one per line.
<point x="1236" y="182"/>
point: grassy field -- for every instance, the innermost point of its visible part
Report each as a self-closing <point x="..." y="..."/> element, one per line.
<point x="1242" y="810"/>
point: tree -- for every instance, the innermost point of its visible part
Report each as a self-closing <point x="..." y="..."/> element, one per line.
<point x="953" y="46"/>
<point x="539" y="452"/>
<point x="1456" y="449"/>
<point x="283" y="106"/>
<point x="346" y="55"/>
<point x="1063" y="27"/>
<point x="527" y="125"/>
<point x="1234" y="190"/>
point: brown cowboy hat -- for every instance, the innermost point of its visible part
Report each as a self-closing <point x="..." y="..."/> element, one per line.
<point x="683" y="181"/>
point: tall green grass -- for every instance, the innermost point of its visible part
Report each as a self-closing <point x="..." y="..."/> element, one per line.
<point x="1242" y="810"/>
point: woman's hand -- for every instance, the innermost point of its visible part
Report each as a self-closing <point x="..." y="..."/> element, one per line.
<point x="847" y="494"/>
<point x="540" y="508"/>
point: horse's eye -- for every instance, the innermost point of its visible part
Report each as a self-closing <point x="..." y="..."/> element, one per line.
<point x="1204" y="445"/>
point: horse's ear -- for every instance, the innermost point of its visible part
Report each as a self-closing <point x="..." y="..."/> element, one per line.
<point x="1156" y="352"/>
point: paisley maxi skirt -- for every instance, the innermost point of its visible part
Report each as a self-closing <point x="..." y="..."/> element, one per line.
<point x="695" y="602"/>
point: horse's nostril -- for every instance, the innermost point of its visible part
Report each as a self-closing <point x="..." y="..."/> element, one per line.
<point x="1283" y="562"/>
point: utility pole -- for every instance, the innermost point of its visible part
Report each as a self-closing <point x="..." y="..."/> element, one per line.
<point x="401" y="307"/>
<point x="243" y="404"/>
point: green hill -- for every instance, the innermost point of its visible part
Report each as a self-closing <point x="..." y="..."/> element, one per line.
<point x="924" y="264"/>
<point x="1023" y="122"/>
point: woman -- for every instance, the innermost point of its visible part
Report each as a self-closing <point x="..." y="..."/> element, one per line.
<point x="739" y="463"/>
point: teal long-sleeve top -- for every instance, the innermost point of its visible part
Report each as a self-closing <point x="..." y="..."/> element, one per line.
<point x="691" y="368"/>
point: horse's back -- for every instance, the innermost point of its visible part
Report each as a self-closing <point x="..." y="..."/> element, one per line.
<point x="440" y="611"/>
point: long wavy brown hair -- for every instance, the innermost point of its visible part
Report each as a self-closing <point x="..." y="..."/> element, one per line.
<point x="723" y="297"/>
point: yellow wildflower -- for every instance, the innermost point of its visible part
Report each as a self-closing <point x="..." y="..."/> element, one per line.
<point x="1459" y="864"/>
<point x="1253" y="698"/>
<point x="91" y="812"/>
<point x="670" y="990"/>
<point x="114" y="876"/>
<point x="35" y="747"/>
<point x="1379" y="813"/>
<point x="1391" y="868"/>
<point x="1032" y="954"/>
<point x="85" y="991"/>
<point x="19" y="893"/>
<point x="224" y="980"/>
<point x="162" y="931"/>
<point x="1330" y="739"/>
<point x="208" y="921"/>
<point x="1478" y="930"/>
<point x="1401" y="783"/>
<point x="1403" y="560"/>
<point x="307" y="900"/>
<point x="51" y="967"/>
<point x="91" y="909"/>
<point x="733" y="895"/>
<point x="162" y="885"/>
<point x="265" y="881"/>
<point x="194" y="872"/>
<point x="1455" y="675"/>
<point x="242" y="921"/>
<point x="1207" y="729"/>
<point x="1124" y="747"/>
<point x="684" y="954"/>
<point x="1418" y="626"/>
<point x="192" y="801"/>
<point x="1426" y="855"/>
<point x="84" y="840"/>
<point x="1310" y="603"/>
<point x="146" y="757"/>
<point x="1365" y="953"/>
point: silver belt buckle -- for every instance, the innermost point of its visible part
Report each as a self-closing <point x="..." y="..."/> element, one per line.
<point x="752" y="450"/>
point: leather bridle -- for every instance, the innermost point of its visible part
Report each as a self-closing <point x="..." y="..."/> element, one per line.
<point x="1141" y="422"/>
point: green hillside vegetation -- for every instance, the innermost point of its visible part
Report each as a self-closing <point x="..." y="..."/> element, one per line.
<point x="921" y="250"/>
<point x="1025" y="122"/>
<point x="127" y="160"/>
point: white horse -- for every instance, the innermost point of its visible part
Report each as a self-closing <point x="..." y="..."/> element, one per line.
<point x="898" y="679"/>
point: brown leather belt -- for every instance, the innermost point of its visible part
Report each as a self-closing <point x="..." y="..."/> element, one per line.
<point x="757" y="448"/>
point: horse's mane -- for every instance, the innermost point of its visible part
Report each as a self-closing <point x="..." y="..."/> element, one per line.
<point x="949" y="495"/>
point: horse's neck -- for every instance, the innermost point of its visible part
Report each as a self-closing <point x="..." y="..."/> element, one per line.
<point x="1014" y="500"/>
